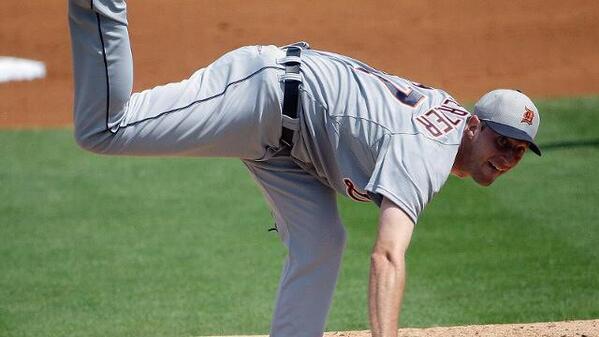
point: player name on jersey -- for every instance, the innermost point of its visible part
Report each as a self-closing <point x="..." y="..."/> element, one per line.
<point x="443" y="119"/>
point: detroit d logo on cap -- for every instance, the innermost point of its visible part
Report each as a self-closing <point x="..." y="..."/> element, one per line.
<point x="528" y="116"/>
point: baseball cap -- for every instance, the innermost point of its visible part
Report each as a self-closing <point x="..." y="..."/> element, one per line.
<point x="510" y="113"/>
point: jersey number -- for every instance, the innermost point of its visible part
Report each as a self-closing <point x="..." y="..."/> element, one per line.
<point x="439" y="120"/>
<point x="409" y="96"/>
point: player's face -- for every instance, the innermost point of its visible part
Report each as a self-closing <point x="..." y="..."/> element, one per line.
<point x="493" y="155"/>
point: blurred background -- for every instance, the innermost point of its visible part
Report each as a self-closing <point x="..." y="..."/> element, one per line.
<point x="545" y="48"/>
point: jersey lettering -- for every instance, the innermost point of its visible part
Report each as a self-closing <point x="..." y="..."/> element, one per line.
<point x="443" y="119"/>
<point x="353" y="193"/>
<point x="451" y="107"/>
<point x="407" y="96"/>
<point x="435" y="123"/>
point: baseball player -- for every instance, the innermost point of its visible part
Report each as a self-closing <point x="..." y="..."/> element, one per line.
<point x="307" y="124"/>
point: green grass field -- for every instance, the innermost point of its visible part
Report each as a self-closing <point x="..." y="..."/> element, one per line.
<point x="105" y="246"/>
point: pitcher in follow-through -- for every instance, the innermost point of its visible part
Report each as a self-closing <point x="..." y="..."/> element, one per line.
<point x="307" y="124"/>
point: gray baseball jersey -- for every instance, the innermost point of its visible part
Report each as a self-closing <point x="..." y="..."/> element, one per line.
<point x="368" y="134"/>
<point x="360" y="132"/>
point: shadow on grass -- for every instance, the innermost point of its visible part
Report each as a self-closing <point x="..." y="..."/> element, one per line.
<point x="569" y="144"/>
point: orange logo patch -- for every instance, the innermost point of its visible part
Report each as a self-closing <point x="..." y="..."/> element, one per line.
<point x="528" y="116"/>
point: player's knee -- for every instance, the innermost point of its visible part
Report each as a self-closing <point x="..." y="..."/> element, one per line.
<point x="85" y="143"/>
<point x="89" y="142"/>
<point x="339" y="237"/>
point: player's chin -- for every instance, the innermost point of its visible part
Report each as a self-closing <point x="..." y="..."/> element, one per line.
<point x="485" y="179"/>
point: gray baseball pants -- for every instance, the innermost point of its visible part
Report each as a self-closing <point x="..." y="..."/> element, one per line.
<point x="231" y="108"/>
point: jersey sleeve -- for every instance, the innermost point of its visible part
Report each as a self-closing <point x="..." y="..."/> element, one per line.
<point x="409" y="171"/>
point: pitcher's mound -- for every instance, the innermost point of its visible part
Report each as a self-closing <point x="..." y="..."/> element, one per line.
<point x="588" y="328"/>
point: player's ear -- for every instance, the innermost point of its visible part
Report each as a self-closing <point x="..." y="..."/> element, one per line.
<point x="473" y="126"/>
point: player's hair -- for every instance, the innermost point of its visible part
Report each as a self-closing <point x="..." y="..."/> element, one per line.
<point x="483" y="125"/>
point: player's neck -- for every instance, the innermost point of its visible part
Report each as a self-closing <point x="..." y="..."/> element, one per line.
<point x="459" y="172"/>
<point x="459" y="165"/>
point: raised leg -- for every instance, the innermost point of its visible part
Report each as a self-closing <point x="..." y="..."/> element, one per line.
<point x="230" y="108"/>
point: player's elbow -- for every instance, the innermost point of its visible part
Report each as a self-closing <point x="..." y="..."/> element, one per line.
<point x="381" y="259"/>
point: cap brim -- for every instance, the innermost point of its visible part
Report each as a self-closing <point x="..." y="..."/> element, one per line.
<point x="512" y="132"/>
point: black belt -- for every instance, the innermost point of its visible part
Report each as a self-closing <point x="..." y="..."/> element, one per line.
<point x="290" y="93"/>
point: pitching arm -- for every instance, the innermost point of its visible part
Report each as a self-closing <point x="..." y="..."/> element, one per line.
<point x="387" y="269"/>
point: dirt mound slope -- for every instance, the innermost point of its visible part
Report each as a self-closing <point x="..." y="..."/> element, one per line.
<point x="550" y="329"/>
<point x="588" y="328"/>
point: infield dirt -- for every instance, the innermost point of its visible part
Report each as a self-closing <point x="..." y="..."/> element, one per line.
<point x="588" y="328"/>
<point x="546" y="48"/>
<point x="556" y="329"/>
